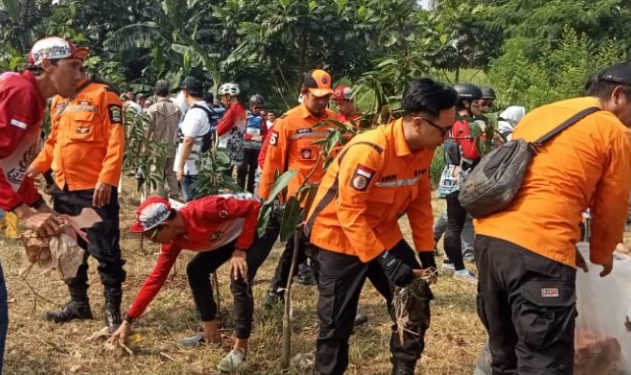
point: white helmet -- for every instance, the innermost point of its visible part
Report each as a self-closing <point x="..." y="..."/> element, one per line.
<point x="231" y="89"/>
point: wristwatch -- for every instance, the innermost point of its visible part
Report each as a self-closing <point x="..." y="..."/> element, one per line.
<point x="128" y="318"/>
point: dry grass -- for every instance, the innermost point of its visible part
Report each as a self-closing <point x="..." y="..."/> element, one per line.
<point x="37" y="347"/>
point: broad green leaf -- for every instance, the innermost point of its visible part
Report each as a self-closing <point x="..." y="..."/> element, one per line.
<point x="280" y="184"/>
<point x="292" y="215"/>
<point x="264" y="217"/>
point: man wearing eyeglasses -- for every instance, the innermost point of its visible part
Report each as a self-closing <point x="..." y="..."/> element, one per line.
<point x="220" y="229"/>
<point x="378" y="176"/>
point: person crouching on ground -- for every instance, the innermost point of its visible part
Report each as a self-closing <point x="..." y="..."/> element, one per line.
<point x="220" y="228"/>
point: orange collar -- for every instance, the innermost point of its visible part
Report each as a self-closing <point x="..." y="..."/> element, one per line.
<point x="400" y="144"/>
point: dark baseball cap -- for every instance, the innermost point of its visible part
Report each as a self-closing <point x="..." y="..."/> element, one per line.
<point x="619" y="73"/>
<point x="193" y="86"/>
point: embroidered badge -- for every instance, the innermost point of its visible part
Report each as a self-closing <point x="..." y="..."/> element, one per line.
<point x="116" y="113"/>
<point x="83" y="129"/>
<point x="223" y="214"/>
<point x="362" y="177"/>
<point x="217" y="235"/>
<point x="306" y="154"/>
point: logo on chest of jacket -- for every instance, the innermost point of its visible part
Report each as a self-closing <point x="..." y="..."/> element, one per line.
<point x="362" y="177"/>
<point x="116" y="114"/>
<point x="306" y="154"/>
<point x="217" y="235"/>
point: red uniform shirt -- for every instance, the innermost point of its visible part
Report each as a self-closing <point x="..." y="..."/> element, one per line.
<point x="232" y="116"/>
<point x="264" y="146"/>
<point x="211" y="222"/>
<point x="22" y="108"/>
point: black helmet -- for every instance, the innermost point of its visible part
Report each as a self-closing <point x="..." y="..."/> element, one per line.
<point x="257" y="99"/>
<point x="467" y="91"/>
<point x="487" y="92"/>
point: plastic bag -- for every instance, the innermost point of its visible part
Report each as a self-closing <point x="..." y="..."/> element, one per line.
<point x="60" y="253"/>
<point x="603" y="327"/>
<point x="603" y="330"/>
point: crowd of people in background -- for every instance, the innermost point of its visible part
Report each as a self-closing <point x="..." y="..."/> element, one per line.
<point x="524" y="253"/>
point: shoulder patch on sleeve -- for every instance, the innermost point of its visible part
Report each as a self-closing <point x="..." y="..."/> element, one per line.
<point x="273" y="138"/>
<point x="115" y="113"/>
<point x="362" y="177"/>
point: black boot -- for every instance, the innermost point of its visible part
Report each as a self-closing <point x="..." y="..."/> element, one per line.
<point x="402" y="368"/>
<point x="273" y="298"/>
<point x="113" y="298"/>
<point x="77" y="308"/>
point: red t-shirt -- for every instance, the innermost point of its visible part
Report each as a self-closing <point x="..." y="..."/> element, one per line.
<point x="461" y="132"/>
<point x="230" y="118"/>
<point x="22" y="108"/>
<point x="211" y="222"/>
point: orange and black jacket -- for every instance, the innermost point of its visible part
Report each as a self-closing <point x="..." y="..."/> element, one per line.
<point x="291" y="147"/>
<point x="87" y="140"/>
<point x="374" y="180"/>
<point x="587" y="165"/>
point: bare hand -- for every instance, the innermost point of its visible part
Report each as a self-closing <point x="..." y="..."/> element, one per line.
<point x="580" y="261"/>
<point x="33" y="172"/>
<point x="102" y="195"/>
<point x="45" y="224"/>
<point x="121" y="333"/>
<point x="607" y="267"/>
<point x="238" y="265"/>
<point x="180" y="175"/>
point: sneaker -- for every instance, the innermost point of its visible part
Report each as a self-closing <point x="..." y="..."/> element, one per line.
<point x="232" y="361"/>
<point x="466" y="276"/>
<point x="192" y="341"/>
<point x="447" y="267"/>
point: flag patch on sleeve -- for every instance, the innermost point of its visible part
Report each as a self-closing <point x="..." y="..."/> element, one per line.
<point x="362" y="177"/>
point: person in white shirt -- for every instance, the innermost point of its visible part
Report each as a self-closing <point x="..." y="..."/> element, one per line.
<point x="193" y="129"/>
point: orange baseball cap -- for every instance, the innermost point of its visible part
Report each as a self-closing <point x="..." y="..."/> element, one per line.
<point x="318" y="82"/>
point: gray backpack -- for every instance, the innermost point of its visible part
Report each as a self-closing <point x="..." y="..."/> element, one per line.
<point x="494" y="182"/>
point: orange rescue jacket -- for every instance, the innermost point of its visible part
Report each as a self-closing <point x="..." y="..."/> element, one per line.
<point x="587" y="165"/>
<point x="374" y="181"/>
<point x="291" y="148"/>
<point x="87" y="140"/>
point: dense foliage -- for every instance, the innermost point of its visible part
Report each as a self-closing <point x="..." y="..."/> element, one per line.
<point x="532" y="51"/>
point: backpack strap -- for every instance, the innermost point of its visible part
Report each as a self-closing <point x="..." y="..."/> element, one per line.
<point x="566" y="124"/>
<point x="211" y="114"/>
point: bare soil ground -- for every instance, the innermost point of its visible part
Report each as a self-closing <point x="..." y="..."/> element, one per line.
<point x="36" y="347"/>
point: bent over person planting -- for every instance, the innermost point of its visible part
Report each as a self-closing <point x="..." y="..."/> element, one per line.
<point x="219" y="228"/>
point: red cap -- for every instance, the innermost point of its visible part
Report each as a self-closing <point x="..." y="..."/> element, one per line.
<point x="151" y="213"/>
<point x="55" y="48"/>
<point x="342" y="92"/>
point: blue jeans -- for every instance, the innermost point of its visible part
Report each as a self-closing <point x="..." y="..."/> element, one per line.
<point x="190" y="193"/>
<point x="4" y="316"/>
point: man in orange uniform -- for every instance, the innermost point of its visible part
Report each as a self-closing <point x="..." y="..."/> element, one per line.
<point x="525" y="253"/>
<point x="291" y="148"/>
<point x="85" y="150"/>
<point x="378" y="176"/>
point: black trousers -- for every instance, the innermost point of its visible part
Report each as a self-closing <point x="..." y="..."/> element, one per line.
<point x="281" y="274"/>
<point x="456" y="216"/>
<point x="341" y="279"/>
<point x="204" y="264"/>
<point x="247" y="169"/>
<point x="103" y="237"/>
<point x="527" y="304"/>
